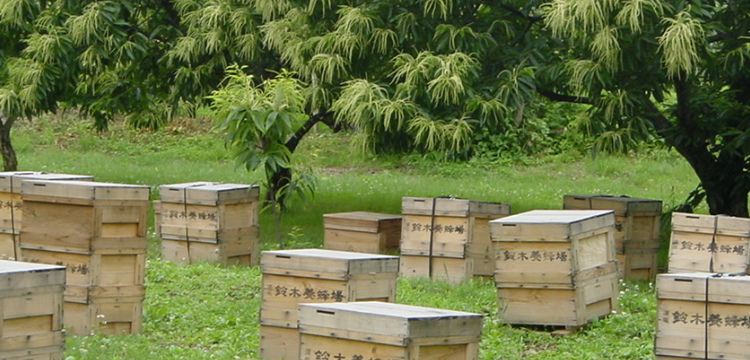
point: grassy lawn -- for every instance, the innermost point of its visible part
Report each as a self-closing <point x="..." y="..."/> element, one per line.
<point x="203" y="311"/>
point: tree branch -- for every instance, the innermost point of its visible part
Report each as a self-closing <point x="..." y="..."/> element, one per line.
<point x="319" y="116"/>
<point x="564" y="98"/>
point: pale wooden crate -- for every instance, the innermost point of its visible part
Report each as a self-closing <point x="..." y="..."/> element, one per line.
<point x="638" y="264"/>
<point x="10" y="248"/>
<point x="31" y="309"/>
<point x="199" y="211"/>
<point x="450" y="270"/>
<point x="105" y="315"/>
<point x="709" y="243"/>
<point x="362" y="231"/>
<point x="291" y="277"/>
<point x="104" y="268"/>
<point x="54" y="354"/>
<point x="551" y="247"/>
<point x="11" y="206"/>
<point x="635" y="219"/>
<point x="590" y="295"/>
<point x="11" y="203"/>
<point x="703" y="316"/>
<point x="84" y="217"/>
<point x="209" y="193"/>
<point x="278" y="343"/>
<point x="211" y="222"/>
<point x="387" y="331"/>
<point x="451" y="228"/>
<point x="241" y="251"/>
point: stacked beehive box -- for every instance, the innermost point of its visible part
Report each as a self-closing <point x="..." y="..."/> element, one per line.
<point x="637" y="224"/>
<point x="98" y="232"/>
<point x="555" y="267"/>
<point x="11" y="207"/>
<point x="211" y="222"/>
<point x="362" y="231"/>
<point x="448" y="239"/>
<point x="702" y="316"/>
<point x="291" y="277"/>
<point x="31" y="311"/>
<point x="709" y="243"/>
<point x="376" y="330"/>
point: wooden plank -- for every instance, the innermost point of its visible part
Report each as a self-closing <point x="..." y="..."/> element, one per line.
<point x="208" y="193"/>
<point x="549" y="225"/>
<point x="30" y="341"/>
<point x="84" y="190"/>
<point x="452" y="207"/>
<point x="362" y="231"/>
<point x="210" y="236"/>
<point x="9" y="246"/>
<point x="577" y="202"/>
<point x="278" y="343"/>
<point x="638" y="265"/>
<point x="17" y="274"/>
<point x="450" y="270"/>
<point x="361" y="221"/>
<point x="49" y="353"/>
<point x="53" y="352"/>
<point x="225" y="253"/>
<point x="702" y="252"/>
<point x="592" y="298"/>
<point x="697" y="223"/>
<point x="394" y="324"/>
<point x="356" y="241"/>
<point x="282" y="294"/>
<point x="441" y="236"/>
<point x="310" y="345"/>
<point x="96" y="269"/>
<point x="104" y="316"/>
<point x="325" y="264"/>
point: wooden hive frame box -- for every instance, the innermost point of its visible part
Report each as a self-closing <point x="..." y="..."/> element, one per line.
<point x="291" y="277"/>
<point x="702" y="316"/>
<point x="637" y="229"/>
<point x="98" y="232"/>
<point x="208" y="221"/>
<point x="448" y="239"/>
<point x="364" y="330"/>
<point x="555" y="267"/>
<point x="31" y="311"/>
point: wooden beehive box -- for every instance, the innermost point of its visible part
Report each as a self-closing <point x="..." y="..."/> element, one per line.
<point x="362" y="231"/>
<point x="437" y="230"/>
<point x="555" y="259"/>
<point x="98" y="232"/>
<point x="709" y="243"/>
<point x="110" y="311"/>
<point x="369" y="330"/>
<point x="635" y="219"/>
<point x="703" y="316"/>
<point x="637" y="226"/>
<point x="212" y="222"/>
<point x="31" y="309"/>
<point x="11" y="206"/>
<point x="291" y="277"/>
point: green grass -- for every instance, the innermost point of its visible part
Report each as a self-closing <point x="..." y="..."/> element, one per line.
<point x="203" y="311"/>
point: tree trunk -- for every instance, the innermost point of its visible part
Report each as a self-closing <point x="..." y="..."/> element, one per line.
<point x="10" y="161"/>
<point x="283" y="176"/>
<point x="723" y="176"/>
